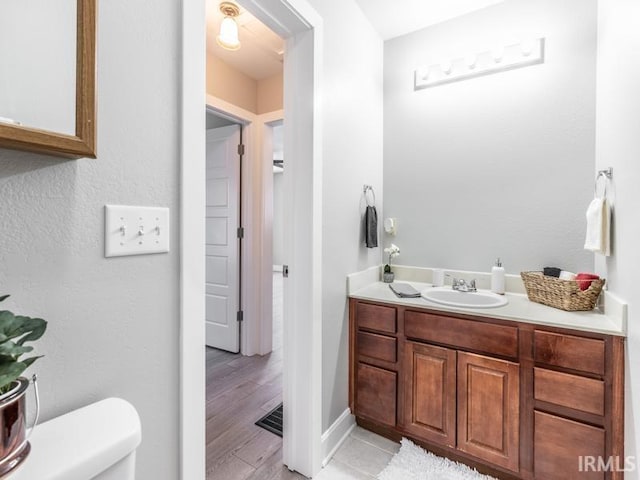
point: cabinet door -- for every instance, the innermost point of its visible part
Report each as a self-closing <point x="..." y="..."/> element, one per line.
<point x="568" y="450"/>
<point x="376" y="394"/>
<point x="430" y="393"/>
<point x="488" y="409"/>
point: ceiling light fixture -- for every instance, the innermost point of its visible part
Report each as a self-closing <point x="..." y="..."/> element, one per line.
<point x="228" y="37"/>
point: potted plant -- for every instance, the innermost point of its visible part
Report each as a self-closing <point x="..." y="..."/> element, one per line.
<point x="15" y="332"/>
<point x="392" y="251"/>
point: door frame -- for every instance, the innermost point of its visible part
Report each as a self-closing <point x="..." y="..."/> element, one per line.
<point x="301" y="26"/>
<point x="256" y="247"/>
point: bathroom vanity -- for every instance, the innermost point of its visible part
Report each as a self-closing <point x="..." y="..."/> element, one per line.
<point x="512" y="398"/>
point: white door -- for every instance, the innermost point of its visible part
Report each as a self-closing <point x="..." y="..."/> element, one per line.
<point x="222" y="243"/>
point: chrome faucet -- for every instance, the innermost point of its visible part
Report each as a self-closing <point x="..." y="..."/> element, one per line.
<point x="461" y="285"/>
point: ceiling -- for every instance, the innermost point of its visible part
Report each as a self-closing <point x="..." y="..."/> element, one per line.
<point x="261" y="52"/>
<point x="392" y="19"/>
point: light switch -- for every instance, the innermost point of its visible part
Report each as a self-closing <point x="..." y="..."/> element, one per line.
<point x="135" y="230"/>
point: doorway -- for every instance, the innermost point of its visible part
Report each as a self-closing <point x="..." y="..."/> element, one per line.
<point x="223" y="252"/>
<point x="299" y="24"/>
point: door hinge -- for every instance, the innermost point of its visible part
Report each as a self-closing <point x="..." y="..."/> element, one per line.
<point x="241" y="149"/>
<point x="285" y="271"/>
<point x="240" y="316"/>
<point x="240" y="232"/>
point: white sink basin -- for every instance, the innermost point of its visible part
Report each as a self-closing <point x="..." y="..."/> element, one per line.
<point x="453" y="298"/>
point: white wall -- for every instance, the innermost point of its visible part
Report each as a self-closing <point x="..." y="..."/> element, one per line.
<point x="618" y="146"/>
<point x="352" y="156"/>
<point x="499" y="165"/>
<point x="113" y="323"/>
<point x="38" y="63"/>
<point x="278" y="224"/>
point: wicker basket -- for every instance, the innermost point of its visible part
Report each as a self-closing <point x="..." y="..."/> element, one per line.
<point x="562" y="294"/>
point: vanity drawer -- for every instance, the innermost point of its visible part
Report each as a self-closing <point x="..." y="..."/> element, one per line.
<point x="377" y="346"/>
<point x="376" y="317"/>
<point x="376" y="394"/>
<point x="566" y="390"/>
<point x="568" y="351"/>
<point x="559" y="445"/>
<point x="465" y="334"/>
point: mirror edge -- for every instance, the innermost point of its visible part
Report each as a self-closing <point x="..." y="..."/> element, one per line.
<point x="83" y="144"/>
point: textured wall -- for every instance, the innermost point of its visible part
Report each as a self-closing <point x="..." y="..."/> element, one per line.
<point x="113" y="323"/>
<point x="618" y="146"/>
<point x="499" y="165"/>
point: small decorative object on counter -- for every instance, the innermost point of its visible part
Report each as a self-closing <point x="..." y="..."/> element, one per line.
<point x="15" y="332"/>
<point x="563" y="294"/>
<point x="392" y="251"/>
<point x="497" y="278"/>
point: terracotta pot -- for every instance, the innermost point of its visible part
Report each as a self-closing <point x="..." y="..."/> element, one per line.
<point x="13" y="445"/>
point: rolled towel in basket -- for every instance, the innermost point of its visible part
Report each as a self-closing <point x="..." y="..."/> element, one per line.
<point x="584" y="280"/>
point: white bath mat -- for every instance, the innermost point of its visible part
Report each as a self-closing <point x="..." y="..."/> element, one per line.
<point x="414" y="463"/>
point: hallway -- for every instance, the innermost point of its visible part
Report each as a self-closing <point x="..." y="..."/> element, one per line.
<point x="240" y="390"/>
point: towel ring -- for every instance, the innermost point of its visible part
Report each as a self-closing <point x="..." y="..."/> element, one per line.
<point x="369" y="188"/>
<point x="606" y="174"/>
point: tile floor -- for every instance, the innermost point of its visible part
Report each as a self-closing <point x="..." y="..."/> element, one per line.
<point x="361" y="457"/>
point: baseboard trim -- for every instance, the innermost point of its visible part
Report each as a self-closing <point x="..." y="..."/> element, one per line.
<point x="336" y="434"/>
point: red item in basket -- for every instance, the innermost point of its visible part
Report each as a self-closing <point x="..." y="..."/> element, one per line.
<point x="584" y="280"/>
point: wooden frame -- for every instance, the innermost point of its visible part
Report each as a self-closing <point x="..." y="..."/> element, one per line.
<point x="83" y="144"/>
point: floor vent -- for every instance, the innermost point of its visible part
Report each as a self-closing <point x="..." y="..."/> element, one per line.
<point x="272" y="421"/>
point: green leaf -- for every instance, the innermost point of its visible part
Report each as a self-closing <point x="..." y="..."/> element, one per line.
<point x="4" y="297"/>
<point x="36" y="327"/>
<point x="12" y="349"/>
<point x="9" y="372"/>
<point x="28" y="361"/>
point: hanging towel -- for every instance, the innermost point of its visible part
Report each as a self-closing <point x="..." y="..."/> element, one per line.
<point x="598" y="227"/>
<point x="371" y="227"/>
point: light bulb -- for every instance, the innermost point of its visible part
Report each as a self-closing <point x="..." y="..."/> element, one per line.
<point x="447" y="67"/>
<point x="228" y="37"/>
<point x="527" y="47"/>
<point x="470" y="60"/>
<point x="497" y="53"/>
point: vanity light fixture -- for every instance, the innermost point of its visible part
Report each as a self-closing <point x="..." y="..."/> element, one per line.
<point x="498" y="59"/>
<point x="228" y="36"/>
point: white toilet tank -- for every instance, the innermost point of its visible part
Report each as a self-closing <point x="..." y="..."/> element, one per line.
<point x="97" y="442"/>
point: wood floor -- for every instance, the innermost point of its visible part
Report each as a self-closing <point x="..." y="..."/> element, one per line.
<point x="240" y="390"/>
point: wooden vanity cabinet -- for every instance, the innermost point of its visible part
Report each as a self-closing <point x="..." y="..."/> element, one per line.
<point x="373" y="385"/>
<point x="511" y="399"/>
<point x="429" y="389"/>
<point x="444" y="389"/>
<point x="489" y="409"/>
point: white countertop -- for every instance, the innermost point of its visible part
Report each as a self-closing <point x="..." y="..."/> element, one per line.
<point x="518" y="309"/>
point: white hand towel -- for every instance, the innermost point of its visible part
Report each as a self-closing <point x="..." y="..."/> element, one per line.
<point x="598" y="227"/>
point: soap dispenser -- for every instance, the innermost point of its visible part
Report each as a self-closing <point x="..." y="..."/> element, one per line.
<point x="497" y="278"/>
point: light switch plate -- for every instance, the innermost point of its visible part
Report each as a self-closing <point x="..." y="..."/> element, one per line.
<point x="135" y="230"/>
